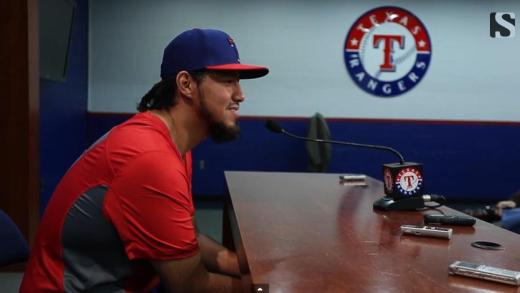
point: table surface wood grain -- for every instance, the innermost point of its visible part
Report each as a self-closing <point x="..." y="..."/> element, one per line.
<point x="305" y="232"/>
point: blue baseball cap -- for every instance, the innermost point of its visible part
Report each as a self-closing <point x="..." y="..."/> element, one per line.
<point x="210" y="49"/>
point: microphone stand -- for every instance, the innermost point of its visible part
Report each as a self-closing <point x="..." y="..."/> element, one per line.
<point x="403" y="183"/>
<point x="373" y="146"/>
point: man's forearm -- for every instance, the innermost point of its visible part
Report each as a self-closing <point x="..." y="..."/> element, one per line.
<point x="217" y="258"/>
<point x="191" y="275"/>
<point x="221" y="283"/>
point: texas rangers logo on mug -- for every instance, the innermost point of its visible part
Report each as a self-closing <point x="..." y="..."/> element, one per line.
<point x="387" y="51"/>
<point x="409" y="181"/>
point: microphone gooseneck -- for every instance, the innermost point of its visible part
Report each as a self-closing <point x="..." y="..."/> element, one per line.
<point x="274" y="127"/>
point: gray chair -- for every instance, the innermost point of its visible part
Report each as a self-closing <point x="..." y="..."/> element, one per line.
<point x="319" y="153"/>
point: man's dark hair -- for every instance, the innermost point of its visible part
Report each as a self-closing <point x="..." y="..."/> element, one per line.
<point x="162" y="95"/>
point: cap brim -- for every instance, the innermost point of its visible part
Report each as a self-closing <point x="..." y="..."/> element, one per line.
<point x="246" y="71"/>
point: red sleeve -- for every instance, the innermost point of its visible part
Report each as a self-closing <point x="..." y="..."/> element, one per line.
<point x="151" y="207"/>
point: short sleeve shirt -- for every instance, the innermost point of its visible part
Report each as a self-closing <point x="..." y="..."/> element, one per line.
<point x="125" y="201"/>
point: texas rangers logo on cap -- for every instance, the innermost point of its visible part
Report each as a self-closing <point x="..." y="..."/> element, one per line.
<point x="409" y="181"/>
<point x="387" y="51"/>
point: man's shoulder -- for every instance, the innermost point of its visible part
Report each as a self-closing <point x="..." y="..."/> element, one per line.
<point x="140" y="139"/>
<point x="140" y="132"/>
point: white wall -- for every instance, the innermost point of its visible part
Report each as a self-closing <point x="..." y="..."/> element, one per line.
<point x="471" y="76"/>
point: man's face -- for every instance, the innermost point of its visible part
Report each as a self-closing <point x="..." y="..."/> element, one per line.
<point x="220" y="95"/>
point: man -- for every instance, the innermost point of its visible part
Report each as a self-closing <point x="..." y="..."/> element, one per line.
<point x="122" y="216"/>
<point x="505" y="213"/>
<point x="511" y="203"/>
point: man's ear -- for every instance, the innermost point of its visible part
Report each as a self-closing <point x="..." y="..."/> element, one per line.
<point x="185" y="84"/>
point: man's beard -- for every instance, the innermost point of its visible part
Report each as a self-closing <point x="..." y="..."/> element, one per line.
<point x="218" y="131"/>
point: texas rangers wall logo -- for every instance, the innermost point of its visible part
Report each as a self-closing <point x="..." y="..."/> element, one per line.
<point x="408" y="181"/>
<point x="387" y="51"/>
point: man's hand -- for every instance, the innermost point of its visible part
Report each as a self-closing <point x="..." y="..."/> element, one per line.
<point x="505" y="204"/>
<point x="217" y="258"/>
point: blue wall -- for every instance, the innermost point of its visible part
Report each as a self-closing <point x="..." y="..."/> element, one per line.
<point x="63" y="110"/>
<point x="463" y="161"/>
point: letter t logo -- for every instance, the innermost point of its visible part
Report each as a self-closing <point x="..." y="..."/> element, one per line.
<point x="388" y="49"/>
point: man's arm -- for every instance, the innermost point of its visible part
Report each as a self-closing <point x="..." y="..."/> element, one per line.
<point x="217" y="258"/>
<point x="190" y="275"/>
<point x="508" y="204"/>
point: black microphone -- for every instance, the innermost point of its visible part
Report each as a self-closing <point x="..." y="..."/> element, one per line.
<point x="403" y="181"/>
<point x="274" y="127"/>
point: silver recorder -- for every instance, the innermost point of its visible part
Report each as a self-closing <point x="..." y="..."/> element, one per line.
<point x="485" y="272"/>
<point x="427" y="231"/>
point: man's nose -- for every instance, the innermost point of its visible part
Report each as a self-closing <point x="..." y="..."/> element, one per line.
<point x="239" y="95"/>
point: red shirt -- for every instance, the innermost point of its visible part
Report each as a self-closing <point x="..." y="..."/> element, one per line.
<point x="142" y="186"/>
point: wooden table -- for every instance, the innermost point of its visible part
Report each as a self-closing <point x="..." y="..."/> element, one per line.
<point x="305" y="232"/>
